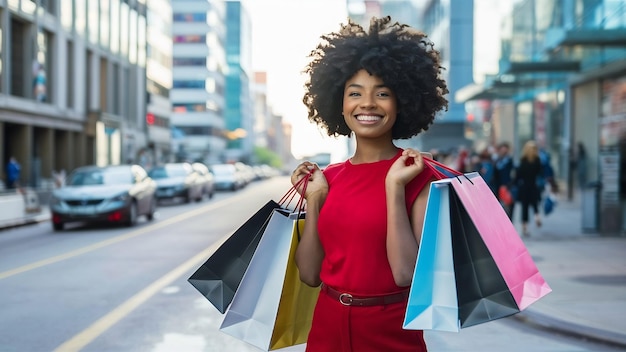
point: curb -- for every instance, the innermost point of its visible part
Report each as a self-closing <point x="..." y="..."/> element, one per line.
<point x="576" y="330"/>
<point x="36" y="219"/>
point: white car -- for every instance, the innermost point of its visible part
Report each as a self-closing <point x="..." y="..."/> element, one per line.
<point x="227" y="177"/>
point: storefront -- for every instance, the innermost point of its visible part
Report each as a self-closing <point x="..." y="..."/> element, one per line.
<point x="612" y="156"/>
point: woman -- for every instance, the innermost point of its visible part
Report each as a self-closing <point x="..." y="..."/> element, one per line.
<point x="365" y="215"/>
<point x="529" y="194"/>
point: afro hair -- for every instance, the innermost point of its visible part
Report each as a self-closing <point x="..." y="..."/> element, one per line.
<point x="401" y="56"/>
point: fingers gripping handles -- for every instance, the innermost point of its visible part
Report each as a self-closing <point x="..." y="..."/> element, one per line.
<point x="286" y="200"/>
<point x="300" y="205"/>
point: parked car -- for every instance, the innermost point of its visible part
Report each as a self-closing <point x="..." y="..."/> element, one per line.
<point x="115" y="194"/>
<point x="207" y="176"/>
<point x="227" y="177"/>
<point x="177" y="180"/>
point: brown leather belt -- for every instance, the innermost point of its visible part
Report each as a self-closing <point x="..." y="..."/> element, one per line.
<point x="349" y="300"/>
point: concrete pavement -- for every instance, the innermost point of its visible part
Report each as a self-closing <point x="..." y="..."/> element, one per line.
<point x="587" y="274"/>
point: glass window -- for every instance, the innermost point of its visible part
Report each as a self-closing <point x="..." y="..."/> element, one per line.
<point x="133" y="42"/>
<point x="188" y="84"/>
<point x="1" y="90"/>
<point x="189" y="107"/>
<point x="80" y="13"/>
<point x="124" y="13"/>
<point x="93" y="14"/>
<point x="190" y="38"/>
<point x="190" y="17"/>
<point x="115" y="26"/>
<point x="189" y="61"/>
<point x="67" y="14"/>
<point x="141" y="41"/>
<point x="104" y="23"/>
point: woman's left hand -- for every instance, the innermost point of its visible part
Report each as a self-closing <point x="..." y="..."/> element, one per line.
<point x="405" y="168"/>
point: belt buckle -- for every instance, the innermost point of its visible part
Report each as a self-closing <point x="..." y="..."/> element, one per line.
<point x="348" y="299"/>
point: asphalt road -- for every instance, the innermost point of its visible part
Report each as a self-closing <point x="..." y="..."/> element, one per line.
<point x="100" y="288"/>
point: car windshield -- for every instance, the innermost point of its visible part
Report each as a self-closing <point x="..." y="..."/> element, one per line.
<point x="223" y="169"/>
<point x="100" y="177"/>
<point x="167" y="171"/>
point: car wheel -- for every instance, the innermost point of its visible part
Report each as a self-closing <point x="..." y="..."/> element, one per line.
<point x="57" y="226"/>
<point x="132" y="215"/>
<point x="211" y="193"/>
<point x="200" y="195"/>
<point x="153" y="205"/>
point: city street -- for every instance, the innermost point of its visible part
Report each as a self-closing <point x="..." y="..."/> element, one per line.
<point x="125" y="289"/>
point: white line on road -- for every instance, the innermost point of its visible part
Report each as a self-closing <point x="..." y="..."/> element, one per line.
<point x="96" y="329"/>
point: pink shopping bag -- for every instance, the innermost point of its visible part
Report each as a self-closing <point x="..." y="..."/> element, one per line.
<point x="506" y="247"/>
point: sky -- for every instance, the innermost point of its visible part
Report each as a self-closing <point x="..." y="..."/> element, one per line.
<point x="283" y="34"/>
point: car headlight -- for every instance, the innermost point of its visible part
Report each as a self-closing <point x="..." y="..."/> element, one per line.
<point x="55" y="201"/>
<point x="179" y="187"/>
<point x="121" y="198"/>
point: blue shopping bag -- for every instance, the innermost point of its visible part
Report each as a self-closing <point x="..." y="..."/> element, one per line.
<point x="548" y="204"/>
<point x="433" y="298"/>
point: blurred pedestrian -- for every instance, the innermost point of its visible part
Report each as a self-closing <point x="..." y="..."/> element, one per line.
<point x="365" y="215"/>
<point x="526" y="179"/>
<point x="463" y="160"/>
<point x="59" y="178"/>
<point x="486" y="168"/>
<point x="503" y="177"/>
<point x="581" y="165"/>
<point x="13" y="173"/>
<point x="546" y="178"/>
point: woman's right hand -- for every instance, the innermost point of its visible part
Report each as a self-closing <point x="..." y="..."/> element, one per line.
<point x="317" y="184"/>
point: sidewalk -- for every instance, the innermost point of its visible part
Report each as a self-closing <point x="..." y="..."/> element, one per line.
<point x="587" y="274"/>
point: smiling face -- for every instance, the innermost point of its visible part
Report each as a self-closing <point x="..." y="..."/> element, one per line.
<point x="369" y="107"/>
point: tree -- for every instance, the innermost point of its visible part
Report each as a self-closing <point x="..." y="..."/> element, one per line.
<point x="266" y="156"/>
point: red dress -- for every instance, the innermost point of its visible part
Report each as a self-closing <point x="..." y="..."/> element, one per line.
<point x="352" y="228"/>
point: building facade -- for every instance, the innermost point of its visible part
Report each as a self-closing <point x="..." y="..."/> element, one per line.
<point x="562" y="80"/>
<point x="158" y="84"/>
<point x="199" y="81"/>
<point x="239" y="109"/>
<point x="72" y="84"/>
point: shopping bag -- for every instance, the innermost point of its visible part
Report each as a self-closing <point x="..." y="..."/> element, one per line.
<point x="219" y="277"/>
<point x="478" y="256"/>
<point x="272" y="308"/>
<point x="549" y="202"/>
<point x="483" y="294"/>
<point x="456" y="283"/>
<point x="503" y="242"/>
<point x="432" y="302"/>
<point x="505" y="195"/>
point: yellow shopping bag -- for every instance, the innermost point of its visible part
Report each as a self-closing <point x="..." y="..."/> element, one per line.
<point x="297" y="302"/>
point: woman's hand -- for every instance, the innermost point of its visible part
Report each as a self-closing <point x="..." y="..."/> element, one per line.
<point x="403" y="170"/>
<point x="317" y="184"/>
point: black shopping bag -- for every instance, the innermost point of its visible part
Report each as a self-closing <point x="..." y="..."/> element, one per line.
<point x="219" y="277"/>
<point x="482" y="293"/>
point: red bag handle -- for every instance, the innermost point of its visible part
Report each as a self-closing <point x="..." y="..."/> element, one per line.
<point x="287" y="198"/>
<point x="443" y="166"/>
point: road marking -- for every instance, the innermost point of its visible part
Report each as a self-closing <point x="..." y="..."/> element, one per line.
<point x="103" y="324"/>
<point x="102" y="244"/>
